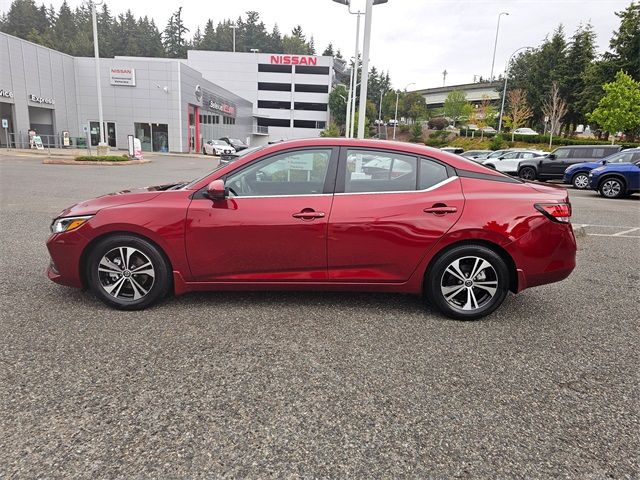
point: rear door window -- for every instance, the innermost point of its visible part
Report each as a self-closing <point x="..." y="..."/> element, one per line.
<point x="431" y="173"/>
<point x="376" y="171"/>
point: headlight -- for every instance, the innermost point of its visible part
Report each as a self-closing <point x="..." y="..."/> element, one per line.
<point x="66" y="224"/>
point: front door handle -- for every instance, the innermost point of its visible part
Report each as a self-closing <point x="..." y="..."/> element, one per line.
<point x="308" y="214"/>
<point x="440" y="209"/>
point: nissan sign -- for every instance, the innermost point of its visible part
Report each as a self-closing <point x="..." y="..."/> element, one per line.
<point x="122" y="76"/>
<point x="293" y="60"/>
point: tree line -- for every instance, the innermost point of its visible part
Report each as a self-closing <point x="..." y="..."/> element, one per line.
<point x="70" y="31"/>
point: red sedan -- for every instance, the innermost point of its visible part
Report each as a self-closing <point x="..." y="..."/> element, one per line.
<point x="323" y="214"/>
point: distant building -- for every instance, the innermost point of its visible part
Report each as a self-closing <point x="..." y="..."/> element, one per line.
<point x="435" y="97"/>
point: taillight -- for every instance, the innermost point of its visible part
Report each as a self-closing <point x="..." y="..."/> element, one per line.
<point x="558" y="212"/>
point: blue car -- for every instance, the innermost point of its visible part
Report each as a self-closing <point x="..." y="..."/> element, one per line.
<point x="617" y="179"/>
<point x="578" y="173"/>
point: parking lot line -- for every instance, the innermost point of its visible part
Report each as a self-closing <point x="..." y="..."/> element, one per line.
<point x="619" y="231"/>
<point x="622" y="234"/>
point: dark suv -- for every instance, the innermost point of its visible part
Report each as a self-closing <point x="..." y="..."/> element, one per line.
<point x="552" y="166"/>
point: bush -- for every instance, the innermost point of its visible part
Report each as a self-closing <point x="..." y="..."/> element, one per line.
<point x="404" y="128"/>
<point x="496" y="143"/>
<point x="103" y="158"/>
<point x="438" y="123"/>
<point x="558" y="141"/>
<point x="332" y="130"/>
<point x="416" y="133"/>
<point x="438" y="139"/>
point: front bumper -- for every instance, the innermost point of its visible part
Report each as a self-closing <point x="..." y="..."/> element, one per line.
<point x="65" y="250"/>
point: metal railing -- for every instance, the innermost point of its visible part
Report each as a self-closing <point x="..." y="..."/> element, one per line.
<point x="23" y="140"/>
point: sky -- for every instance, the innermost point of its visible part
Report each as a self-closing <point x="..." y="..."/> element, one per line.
<point x="415" y="40"/>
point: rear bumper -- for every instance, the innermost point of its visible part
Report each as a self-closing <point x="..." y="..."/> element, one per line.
<point x="546" y="254"/>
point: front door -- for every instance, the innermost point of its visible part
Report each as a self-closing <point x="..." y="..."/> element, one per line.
<point x="388" y="212"/>
<point x="273" y="225"/>
<point x="555" y="167"/>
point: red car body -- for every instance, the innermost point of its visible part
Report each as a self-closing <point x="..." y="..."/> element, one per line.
<point x="366" y="241"/>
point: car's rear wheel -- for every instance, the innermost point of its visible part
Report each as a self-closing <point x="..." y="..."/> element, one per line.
<point x="127" y="272"/>
<point x="467" y="282"/>
<point x="580" y="181"/>
<point x="612" y="188"/>
<point x="527" y="173"/>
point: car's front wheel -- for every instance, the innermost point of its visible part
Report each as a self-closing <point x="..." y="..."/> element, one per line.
<point x="204" y="152"/>
<point x="580" y="181"/>
<point x="612" y="188"/>
<point x="467" y="282"/>
<point x="127" y="272"/>
<point x="527" y="173"/>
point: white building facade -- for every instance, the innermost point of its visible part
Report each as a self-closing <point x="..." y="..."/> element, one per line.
<point x="289" y="93"/>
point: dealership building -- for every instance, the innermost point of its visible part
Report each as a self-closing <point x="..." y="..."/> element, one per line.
<point x="171" y="105"/>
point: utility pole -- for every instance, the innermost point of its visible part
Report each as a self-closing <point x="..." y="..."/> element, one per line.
<point x="233" y="27"/>
<point x="495" y="45"/>
<point x="444" y="76"/>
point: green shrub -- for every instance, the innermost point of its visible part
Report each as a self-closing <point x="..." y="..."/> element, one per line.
<point x="437" y="139"/>
<point x="332" y="130"/>
<point x="103" y="158"/>
<point x="404" y="128"/>
<point x="496" y="143"/>
<point x="416" y="133"/>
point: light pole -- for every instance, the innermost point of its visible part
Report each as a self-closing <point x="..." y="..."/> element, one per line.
<point x="495" y="44"/>
<point x="365" y="64"/>
<point x="504" y="89"/>
<point x="233" y="27"/>
<point x="351" y="102"/>
<point x="102" y="143"/>
<point x="395" y="122"/>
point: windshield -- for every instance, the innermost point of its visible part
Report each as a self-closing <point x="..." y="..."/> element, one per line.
<point x="239" y="155"/>
<point x="219" y="142"/>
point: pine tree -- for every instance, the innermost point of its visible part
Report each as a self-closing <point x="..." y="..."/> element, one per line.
<point x="209" y="41"/>
<point x="625" y="43"/>
<point x="580" y="54"/>
<point x="175" y="44"/>
<point x="328" y="52"/>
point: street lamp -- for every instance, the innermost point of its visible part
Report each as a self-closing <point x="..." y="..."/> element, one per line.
<point x="495" y="44"/>
<point x="102" y="143"/>
<point x="365" y="58"/>
<point x="504" y="89"/>
<point x="395" y="122"/>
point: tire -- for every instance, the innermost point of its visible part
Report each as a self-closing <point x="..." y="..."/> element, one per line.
<point x="490" y="165"/>
<point x="527" y="173"/>
<point x="204" y="152"/>
<point x="122" y="288"/>
<point x="612" y="187"/>
<point x="580" y="181"/>
<point x="454" y="268"/>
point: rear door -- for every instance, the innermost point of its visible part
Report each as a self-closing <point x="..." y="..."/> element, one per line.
<point x="388" y="211"/>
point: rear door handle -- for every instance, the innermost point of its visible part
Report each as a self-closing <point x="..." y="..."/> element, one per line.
<point x="440" y="209"/>
<point x="308" y="214"/>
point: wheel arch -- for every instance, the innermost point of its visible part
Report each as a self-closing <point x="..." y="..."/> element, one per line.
<point x="511" y="264"/>
<point x="616" y="175"/>
<point x="91" y="245"/>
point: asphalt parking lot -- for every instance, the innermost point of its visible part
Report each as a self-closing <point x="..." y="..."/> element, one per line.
<point x="254" y="385"/>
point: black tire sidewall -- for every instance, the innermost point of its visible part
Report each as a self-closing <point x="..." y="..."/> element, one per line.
<point x="161" y="282"/>
<point x="436" y="270"/>
<point x="524" y="169"/>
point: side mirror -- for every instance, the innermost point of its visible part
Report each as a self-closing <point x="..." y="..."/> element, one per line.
<point x="604" y="162"/>
<point x="216" y="190"/>
<point x="551" y="156"/>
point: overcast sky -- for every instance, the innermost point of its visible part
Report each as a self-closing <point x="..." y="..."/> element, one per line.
<point x="414" y="39"/>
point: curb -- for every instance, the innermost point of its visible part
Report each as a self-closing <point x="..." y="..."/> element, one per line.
<point x="60" y="161"/>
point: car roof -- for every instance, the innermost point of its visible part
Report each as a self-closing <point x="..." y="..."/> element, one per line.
<point x="456" y="161"/>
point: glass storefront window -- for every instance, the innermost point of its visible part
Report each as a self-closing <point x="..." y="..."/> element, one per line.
<point x="153" y="136"/>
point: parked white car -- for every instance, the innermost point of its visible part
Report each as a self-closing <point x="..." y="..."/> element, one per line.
<point x="525" y="131"/>
<point x="217" y="148"/>
<point x="509" y="162"/>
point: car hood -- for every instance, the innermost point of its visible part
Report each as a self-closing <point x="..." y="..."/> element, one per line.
<point x="576" y="166"/>
<point x="124" y="197"/>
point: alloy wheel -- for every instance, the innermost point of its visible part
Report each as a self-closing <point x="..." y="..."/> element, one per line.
<point x="528" y="174"/>
<point x="469" y="283"/>
<point x="611" y="188"/>
<point x="581" y="181"/>
<point x="126" y="273"/>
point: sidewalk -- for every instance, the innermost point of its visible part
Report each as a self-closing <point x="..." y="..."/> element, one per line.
<point x="76" y="152"/>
